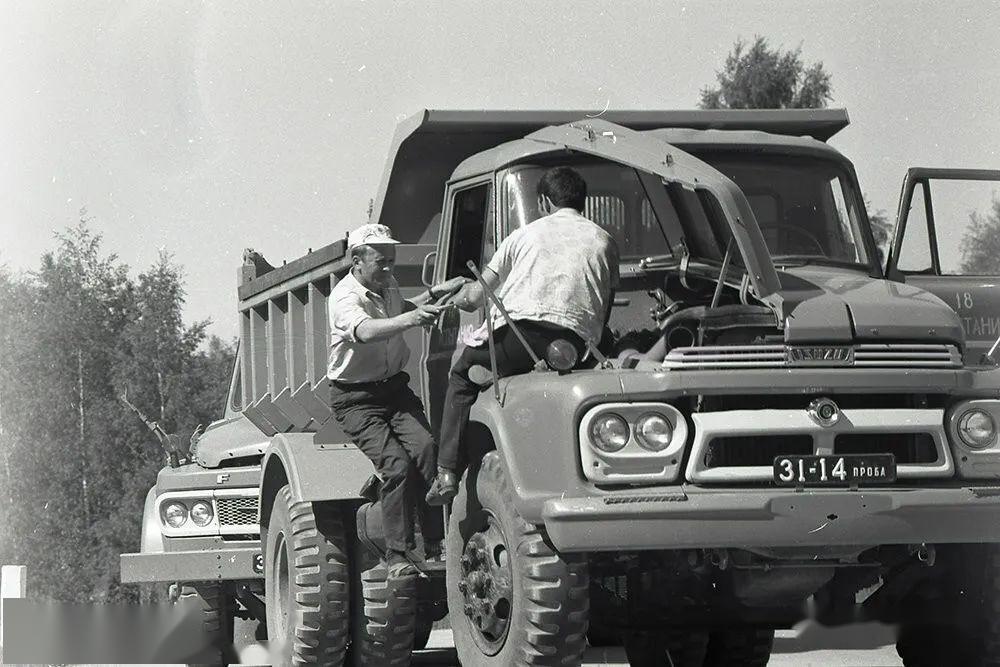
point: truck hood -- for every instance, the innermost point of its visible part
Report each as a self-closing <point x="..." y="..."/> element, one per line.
<point x="701" y="190"/>
<point x="832" y="305"/>
<point x="229" y="441"/>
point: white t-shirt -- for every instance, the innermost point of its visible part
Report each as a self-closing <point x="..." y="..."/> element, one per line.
<point x="559" y="269"/>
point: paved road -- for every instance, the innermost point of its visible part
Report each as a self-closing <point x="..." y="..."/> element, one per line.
<point x="854" y="646"/>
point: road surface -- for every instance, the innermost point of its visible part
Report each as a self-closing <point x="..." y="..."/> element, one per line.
<point x="869" y="645"/>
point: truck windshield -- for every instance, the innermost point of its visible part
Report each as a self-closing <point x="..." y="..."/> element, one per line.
<point x="616" y="201"/>
<point x="805" y="207"/>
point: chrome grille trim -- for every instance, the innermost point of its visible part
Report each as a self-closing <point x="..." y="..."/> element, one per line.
<point x="718" y="356"/>
<point x="711" y="425"/>
<point x="864" y="355"/>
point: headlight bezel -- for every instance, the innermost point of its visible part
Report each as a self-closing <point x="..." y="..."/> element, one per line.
<point x="633" y="463"/>
<point x="212" y="498"/>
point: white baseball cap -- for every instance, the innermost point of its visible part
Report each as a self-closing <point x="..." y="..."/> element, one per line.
<point x="370" y="234"/>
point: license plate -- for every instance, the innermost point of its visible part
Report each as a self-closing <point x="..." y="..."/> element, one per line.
<point x="834" y="470"/>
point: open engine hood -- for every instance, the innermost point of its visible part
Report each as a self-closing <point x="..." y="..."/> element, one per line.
<point x="699" y="191"/>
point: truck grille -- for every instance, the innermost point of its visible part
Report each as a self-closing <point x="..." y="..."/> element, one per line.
<point x="739" y="446"/>
<point x="757" y="450"/>
<point x="865" y="355"/>
<point x="237" y="511"/>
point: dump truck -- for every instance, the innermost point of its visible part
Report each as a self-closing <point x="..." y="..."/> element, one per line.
<point x="779" y="423"/>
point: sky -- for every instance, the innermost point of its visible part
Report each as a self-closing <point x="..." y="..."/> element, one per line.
<point x="203" y="128"/>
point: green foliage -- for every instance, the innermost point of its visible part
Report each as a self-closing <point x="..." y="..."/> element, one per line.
<point x="980" y="244"/>
<point x="760" y="77"/>
<point x="74" y="464"/>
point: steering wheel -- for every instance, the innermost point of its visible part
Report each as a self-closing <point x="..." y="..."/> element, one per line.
<point x="798" y="230"/>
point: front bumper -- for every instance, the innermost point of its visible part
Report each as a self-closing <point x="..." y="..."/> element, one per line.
<point x="675" y="518"/>
<point x="234" y="563"/>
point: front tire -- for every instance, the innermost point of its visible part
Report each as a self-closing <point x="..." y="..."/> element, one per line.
<point x="968" y="630"/>
<point x="512" y="599"/>
<point x="306" y="583"/>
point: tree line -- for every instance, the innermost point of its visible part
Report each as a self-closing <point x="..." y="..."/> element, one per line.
<point x="75" y="464"/>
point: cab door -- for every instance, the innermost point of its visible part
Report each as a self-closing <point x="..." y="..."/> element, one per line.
<point x="467" y="233"/>
<point x="947" y="241"/>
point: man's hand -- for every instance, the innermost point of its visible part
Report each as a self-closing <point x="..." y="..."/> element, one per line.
<point x="449" y="287"/>
<point x="424" y="315"/>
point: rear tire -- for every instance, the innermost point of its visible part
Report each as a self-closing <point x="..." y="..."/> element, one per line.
<point x="512" y="599"/>
<point x="384" y="620"/>
<point x="216" y="610"/>
<point x="741" y="647"/>
<point x="306" y="585"/>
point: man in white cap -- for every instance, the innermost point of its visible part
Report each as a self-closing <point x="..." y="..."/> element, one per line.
<point x="370" y="394"/>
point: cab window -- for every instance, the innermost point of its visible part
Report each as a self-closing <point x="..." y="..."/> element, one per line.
<point x="967" y="220"/>
<point x="471" y="234"/>
<point x="960" y="237"/>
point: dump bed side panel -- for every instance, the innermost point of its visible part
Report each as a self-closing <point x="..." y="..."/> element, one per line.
<point x="285" y="336"/>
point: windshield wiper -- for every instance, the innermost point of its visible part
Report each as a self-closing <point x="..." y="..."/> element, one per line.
<point x="804" y="260"/>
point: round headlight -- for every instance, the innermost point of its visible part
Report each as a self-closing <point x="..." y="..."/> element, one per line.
<point x="977" y="429"/>
<point x="609" y="432"/>
<point x="201" y="513"/>
<point x="175" y="514"/>
<point x="654" y="432"/>
<point x="561" y="355"/>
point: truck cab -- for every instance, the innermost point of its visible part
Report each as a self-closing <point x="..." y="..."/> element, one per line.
<point x="810" y="435"/>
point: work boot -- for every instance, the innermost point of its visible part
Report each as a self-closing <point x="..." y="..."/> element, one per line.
<point x="443" y="488"/>
<point x="399" y="566"/>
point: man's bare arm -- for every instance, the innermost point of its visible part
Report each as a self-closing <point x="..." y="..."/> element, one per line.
<point x="435" y="293"/>
<point x="471" y="295"/>
<point x="375" y="329"/>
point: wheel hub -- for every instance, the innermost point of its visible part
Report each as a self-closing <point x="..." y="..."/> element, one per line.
<point x="487" y="586"/>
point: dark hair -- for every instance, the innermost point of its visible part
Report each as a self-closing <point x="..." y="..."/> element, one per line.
<point x="565" y="187"/>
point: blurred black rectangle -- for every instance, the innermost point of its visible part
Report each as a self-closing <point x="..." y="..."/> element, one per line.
<point x="69" y="633"/>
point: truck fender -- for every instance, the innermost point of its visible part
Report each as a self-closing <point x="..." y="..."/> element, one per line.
<point x="487" y="427"/>
<point x="151" y="541"/>
<point x="314" y="472"/>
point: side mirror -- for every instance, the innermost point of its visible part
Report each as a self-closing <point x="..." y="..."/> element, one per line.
<point x="427" y="269"/>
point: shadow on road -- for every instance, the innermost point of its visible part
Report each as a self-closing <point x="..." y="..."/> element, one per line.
<point x="813" y="637"/>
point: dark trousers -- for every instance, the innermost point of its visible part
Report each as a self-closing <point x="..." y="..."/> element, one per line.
<point x="386" y="420"/>
<point x="512" y="359"/>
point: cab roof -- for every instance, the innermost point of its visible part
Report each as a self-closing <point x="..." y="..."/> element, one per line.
<point x="686" y="139"/>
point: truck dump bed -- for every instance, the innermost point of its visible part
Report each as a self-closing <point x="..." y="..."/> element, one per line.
<point x="285" y="335"/>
